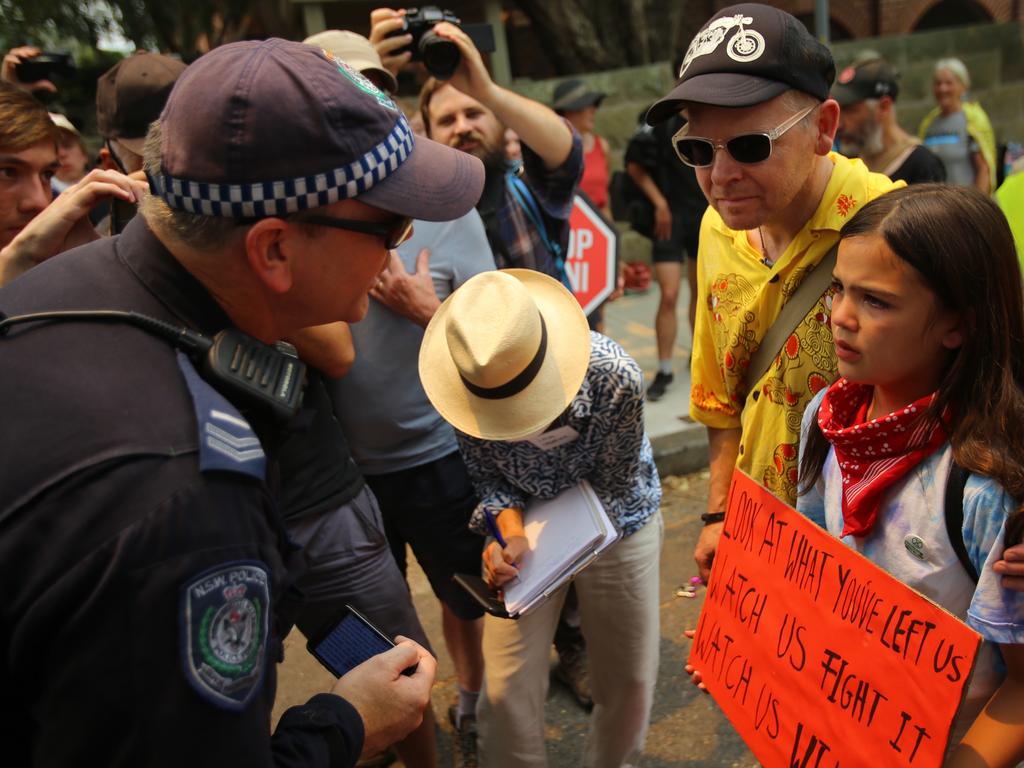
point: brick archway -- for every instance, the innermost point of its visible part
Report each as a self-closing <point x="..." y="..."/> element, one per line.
<point x="849" y="16"/>
<point x="907" y="18"/>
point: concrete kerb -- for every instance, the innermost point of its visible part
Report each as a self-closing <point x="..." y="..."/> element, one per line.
<point x="681" y="452"/>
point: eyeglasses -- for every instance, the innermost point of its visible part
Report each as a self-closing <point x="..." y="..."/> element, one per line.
<point x="395" y="232"/>
<point x="747" y="148"/>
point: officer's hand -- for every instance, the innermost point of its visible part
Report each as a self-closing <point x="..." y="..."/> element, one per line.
<point x="411" y="295"/>
<point x="471" y="76"/>
<point x="8" y="70"/>
<point x="501" y="564"/>
<point x="1011" y="568"/>
<point x="383" y="23"/>
<point x="64" y="223"/>
<point x="704" y="552"/>
<point x="390" y="703"/>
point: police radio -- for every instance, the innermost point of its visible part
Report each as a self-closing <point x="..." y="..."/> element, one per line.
<point x="268" y="377"/>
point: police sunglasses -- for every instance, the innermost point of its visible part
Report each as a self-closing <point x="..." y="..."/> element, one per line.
<point x="394" y="232"/>
<point x="747" y="148"/>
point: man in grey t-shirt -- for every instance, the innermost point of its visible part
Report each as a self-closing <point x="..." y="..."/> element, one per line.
<point x="406" y="451"/>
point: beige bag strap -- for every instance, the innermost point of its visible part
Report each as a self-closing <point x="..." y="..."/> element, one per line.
<point x="793" y="311"/>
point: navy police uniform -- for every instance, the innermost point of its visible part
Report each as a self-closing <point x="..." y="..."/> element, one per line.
<point x="143" y="567"/>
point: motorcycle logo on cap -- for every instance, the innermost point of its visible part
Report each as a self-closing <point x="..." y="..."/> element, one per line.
<point x="745" y="45"/>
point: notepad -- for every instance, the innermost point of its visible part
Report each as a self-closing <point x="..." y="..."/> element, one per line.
<point x="564" y="534"/>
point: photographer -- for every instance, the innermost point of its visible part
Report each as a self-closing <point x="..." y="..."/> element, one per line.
<point x="32" y="229"/>
<point x="525" y="213"/>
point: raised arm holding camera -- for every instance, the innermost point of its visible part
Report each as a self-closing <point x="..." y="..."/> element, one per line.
<point x="29" y="69"/>
<point x="525" y="211"/>
<point x="548" y="135"/>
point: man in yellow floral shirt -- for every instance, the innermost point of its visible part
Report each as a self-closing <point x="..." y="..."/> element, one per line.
<point x="754" y="86"/>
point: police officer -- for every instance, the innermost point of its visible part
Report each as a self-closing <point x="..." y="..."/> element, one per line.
<point x="145" y="576"/>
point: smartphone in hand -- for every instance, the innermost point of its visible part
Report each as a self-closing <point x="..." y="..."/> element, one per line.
<point x="348" y="641"/>
<point x="121" y="212"/>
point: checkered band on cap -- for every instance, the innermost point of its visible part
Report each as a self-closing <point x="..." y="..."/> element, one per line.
<point x="277" y="198"/>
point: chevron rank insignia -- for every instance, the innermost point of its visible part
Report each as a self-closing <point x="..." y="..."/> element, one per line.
<point x="226" y="441"/>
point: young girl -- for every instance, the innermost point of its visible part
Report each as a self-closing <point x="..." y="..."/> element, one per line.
<point x="928" y="324"/>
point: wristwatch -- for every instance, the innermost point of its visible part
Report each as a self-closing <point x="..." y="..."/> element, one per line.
<point x="709" y="518"/>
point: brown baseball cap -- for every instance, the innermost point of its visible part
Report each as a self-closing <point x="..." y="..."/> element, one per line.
<point x="131" y="94"/>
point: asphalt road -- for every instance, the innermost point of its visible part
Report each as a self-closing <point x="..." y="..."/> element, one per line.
<point x="687" y="729"/>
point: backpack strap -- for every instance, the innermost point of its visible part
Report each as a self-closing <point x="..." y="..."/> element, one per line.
<point x="796" y="308"/>
<point x="524" y="197"/>
<point x="954" y="508"/>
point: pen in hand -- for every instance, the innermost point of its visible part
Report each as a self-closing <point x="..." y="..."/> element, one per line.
<point x="497" y="562"/>
<point x="496" y="532"/>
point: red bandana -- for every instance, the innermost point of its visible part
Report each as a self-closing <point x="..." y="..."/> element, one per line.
<point x="873" y="455"/>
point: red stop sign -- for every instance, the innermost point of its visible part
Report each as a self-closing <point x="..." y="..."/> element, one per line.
<point x="591" y="261"/>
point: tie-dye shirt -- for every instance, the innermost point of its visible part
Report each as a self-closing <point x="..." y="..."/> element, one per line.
<point x="915" y="507"/>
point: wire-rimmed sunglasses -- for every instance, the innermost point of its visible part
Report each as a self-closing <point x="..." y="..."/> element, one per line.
<point x="394" y="232"/>
<point x="747" y="148"/>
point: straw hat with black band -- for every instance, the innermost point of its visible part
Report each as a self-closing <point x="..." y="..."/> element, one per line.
<point x="505" y="354"/>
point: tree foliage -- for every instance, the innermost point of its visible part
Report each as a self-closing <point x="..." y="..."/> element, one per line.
<point x="589" y="35"/>
<point x="192" y="27"/>
<point x="186" y="27"/>
<point x="577" y="35"/>
<point x="47" y="23"/>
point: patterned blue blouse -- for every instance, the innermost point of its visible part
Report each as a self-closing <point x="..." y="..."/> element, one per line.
<point x="612" y="452"/>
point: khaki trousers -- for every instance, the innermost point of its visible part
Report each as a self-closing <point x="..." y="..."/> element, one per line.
<point x="618" y="596"/>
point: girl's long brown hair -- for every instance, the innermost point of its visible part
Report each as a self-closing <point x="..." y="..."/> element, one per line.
<point x="960" y="243"/>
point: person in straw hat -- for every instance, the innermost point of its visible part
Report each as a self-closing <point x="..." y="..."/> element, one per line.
<point x="540" y="403"/>
<point x="417" y="489"/>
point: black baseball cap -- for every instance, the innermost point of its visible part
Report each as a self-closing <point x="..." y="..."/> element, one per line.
<point x="745" y="55"/>
<point x="868" y="79"/>
<point x="573" y="95"/>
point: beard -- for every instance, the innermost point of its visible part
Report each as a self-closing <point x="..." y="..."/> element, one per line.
<point x="869" y="141"/>
<point x="491" y="153"/>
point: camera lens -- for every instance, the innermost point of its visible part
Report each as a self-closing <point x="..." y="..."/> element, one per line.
<point x="29" y="71"/>
<point x="440" y="56"/>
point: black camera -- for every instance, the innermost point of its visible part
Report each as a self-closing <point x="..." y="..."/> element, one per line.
<point x="45" y="66"/>
<point x="441" y="57"/>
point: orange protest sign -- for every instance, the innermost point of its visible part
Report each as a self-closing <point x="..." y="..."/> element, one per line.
<point x="818" y="657"/>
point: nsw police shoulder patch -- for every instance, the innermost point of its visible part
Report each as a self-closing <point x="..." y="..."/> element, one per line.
<point x="224" y="619"/>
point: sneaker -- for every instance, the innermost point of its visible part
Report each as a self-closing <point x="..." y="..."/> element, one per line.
<point x="657" y="389"/>
<point x="572" y="673"/>
<point x="464" y="746"/>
